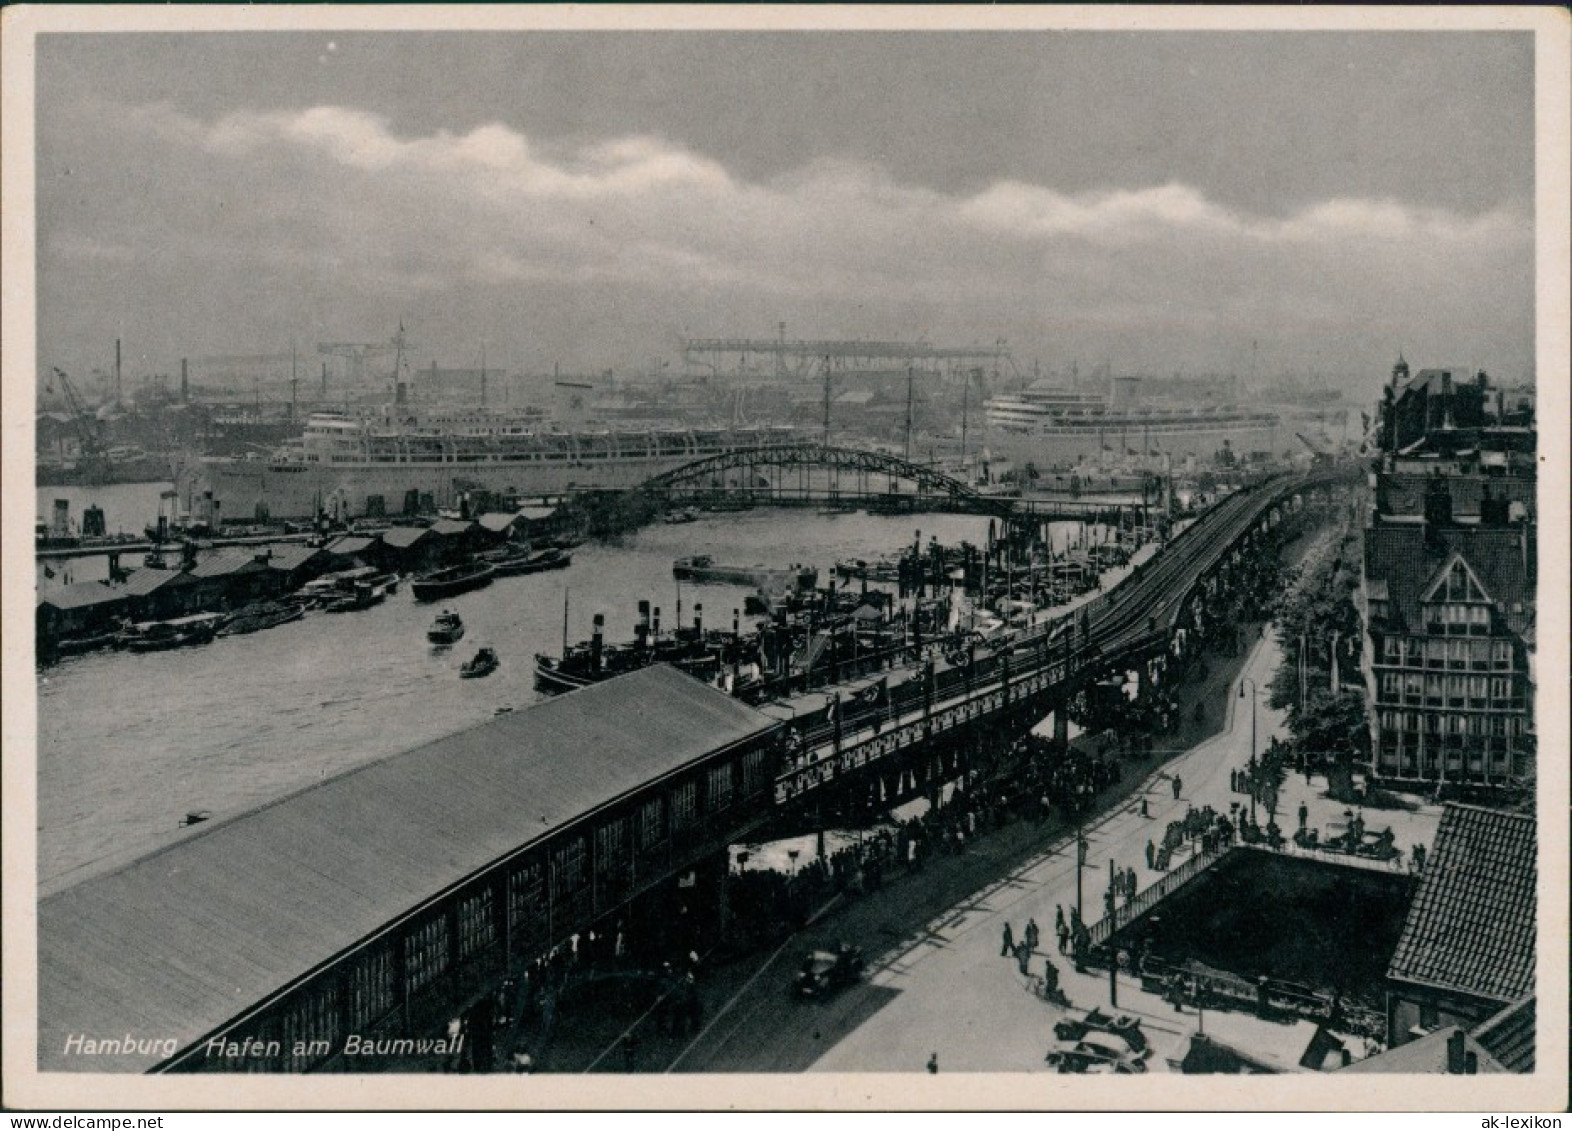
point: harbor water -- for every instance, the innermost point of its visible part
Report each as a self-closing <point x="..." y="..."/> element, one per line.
<point x="130" y="743"/>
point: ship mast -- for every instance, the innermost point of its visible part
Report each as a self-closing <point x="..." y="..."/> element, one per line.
<point x="826" y="400"/>
<point x="908" y="414"/>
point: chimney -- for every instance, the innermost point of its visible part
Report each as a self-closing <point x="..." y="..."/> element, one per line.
<point x="597" y="643"/>
<point x="1454" y="1053"/>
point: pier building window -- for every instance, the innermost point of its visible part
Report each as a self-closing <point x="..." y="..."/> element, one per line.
<point x="477" y="924"/>
<point x="684" y="806"/>
<point x="650" y="828"/>
<point x="310" y="1029"/>
<point x="754" y="778"/>
<point x="567" y="868"/>
<point x="525" y="891"/>
<point x="611" y="845"/>
<point x="371" y="985"/>
<point x="425" y="953"/>
<point x="719" y="792"/>
<point x="1501" y="654"/>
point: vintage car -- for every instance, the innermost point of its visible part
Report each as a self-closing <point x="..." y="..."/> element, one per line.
<point x="1097" y="1052"/>
<point x="824" y="971"/>
<point x="1127" y="1029"/>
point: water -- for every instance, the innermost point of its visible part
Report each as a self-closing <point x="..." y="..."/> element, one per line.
<point x="128" y="744"/>
<point x="127" y="507"/>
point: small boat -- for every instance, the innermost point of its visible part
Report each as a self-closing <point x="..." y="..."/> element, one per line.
<point x="76" y="645"/>
<point x="363" y="595"/>
<point x="541" y="560"/>
<point x="703" y="568"/>
<point x="181" y="632"/>
<point x="452" y="581"/>
<point x="483" y="664"/>
<point x="254" y="618"/>
<point x="446" y="629"/>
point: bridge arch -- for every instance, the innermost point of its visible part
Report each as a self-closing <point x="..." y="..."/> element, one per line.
<point x="932" y="484"/>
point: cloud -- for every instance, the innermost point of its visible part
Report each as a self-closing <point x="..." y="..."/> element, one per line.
<point x="339" y="204"/>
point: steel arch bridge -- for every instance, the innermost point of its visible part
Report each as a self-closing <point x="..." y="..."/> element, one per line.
<point x="932" y="485"/>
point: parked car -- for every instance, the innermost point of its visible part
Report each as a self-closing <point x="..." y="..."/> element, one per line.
<point x="824" y="971"/>
<point x="1122" y="1026"/>
<point x="1096" y="1052"/>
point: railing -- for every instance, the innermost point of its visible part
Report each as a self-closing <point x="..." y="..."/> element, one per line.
<point x="1172" y="881"/>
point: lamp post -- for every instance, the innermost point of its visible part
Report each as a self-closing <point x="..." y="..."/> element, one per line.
<point x="1254" y="769"/>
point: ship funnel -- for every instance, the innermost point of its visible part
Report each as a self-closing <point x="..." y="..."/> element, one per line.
<point x="657" y="622"/>
<point x="736" y="622"/>
<point x="698" y="617"/>
<point x="597" y="643"/>
<point x="642" y="631"/>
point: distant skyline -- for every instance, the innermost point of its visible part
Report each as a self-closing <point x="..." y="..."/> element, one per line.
<point x="1156" y="200"/>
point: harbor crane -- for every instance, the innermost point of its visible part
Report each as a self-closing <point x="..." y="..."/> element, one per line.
<point x="95" y="454"/>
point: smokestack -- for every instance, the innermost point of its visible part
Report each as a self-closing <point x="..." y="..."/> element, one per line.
<point x="1454" y="1053"/>
<point x="185" y="383"/>
<point x="597" y="644"/>
<point x="117" y="369"/>
<point x="641" y="632"/>
<point x="698" y="617"/>
<point x="657" y="622"/>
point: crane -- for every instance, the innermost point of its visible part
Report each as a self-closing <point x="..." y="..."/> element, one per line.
<point x="95" y="456"/>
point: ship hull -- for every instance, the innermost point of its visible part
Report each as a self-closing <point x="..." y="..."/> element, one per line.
<point x="1150" y="444"/>
<point x="248" y="490"/>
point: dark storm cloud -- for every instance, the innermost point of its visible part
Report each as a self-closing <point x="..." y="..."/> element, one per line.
<point x="1159" y="199"/>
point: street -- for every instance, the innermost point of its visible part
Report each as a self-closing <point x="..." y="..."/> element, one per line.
<point x="946" y="990"/>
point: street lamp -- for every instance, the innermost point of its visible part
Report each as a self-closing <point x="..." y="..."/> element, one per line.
<point x="1254" y="785"/>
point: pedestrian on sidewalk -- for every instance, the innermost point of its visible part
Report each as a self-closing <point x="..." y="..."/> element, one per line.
<point x="933" y="1064"/>
<point x="1144" y="813"/>
<point x="1304" y="815"/>
<point x="1032" y="935"/>
<point x="1008" y="946"/>
<point x="1130" y="882"/>
<point x="1058" y="916"/>
<point x="1064" y="937"/>
<point x="1178" y="786"/>
<point x="1023" y="956"/>
<point x="1151" y="853"/>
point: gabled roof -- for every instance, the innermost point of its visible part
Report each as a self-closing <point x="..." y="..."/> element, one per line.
<point x="403" y="537"/>
<point x="1509" y="1036"/>
<point x="81" y="595"/>
<point x="147" y="580"/>
<point x="1471" y="927"/>
<point x="225" y="563"/>
<point x="451" y="527"/>
<point x="1408" y="553"/>
<point x="1426" y="1055"/>
<point x="181" y="941"/>
<point x="350" y="545"/>
<point x="1439" y="576"/>
<point x="497" y="522"/>
<point x="536" y="514"/>
<point x="291" y="557"/>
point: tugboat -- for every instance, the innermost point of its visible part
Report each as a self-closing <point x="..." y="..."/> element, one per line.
<point x="452" y="581"/>
<point x="483" y="664"/>
<point x="446" y="629"/>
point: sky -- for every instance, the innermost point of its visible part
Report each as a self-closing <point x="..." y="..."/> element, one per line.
<point x="1158" y="201"/>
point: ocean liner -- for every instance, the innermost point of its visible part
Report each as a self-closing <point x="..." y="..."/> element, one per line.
<point x="1049" y="426"/>
<point x="400" y="458"/>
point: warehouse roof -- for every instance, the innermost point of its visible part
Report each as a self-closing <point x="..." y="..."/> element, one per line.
<point x="146" y="580"/>
<point x="181" y="941"/>
<point x="80" y="595"/>
<point x="350" y="544"/>
<point x="1471" y="927"/>
<point x="403" y="537"/>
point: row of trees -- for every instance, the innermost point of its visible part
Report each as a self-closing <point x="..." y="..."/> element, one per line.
<point x="1319" y="626"/>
